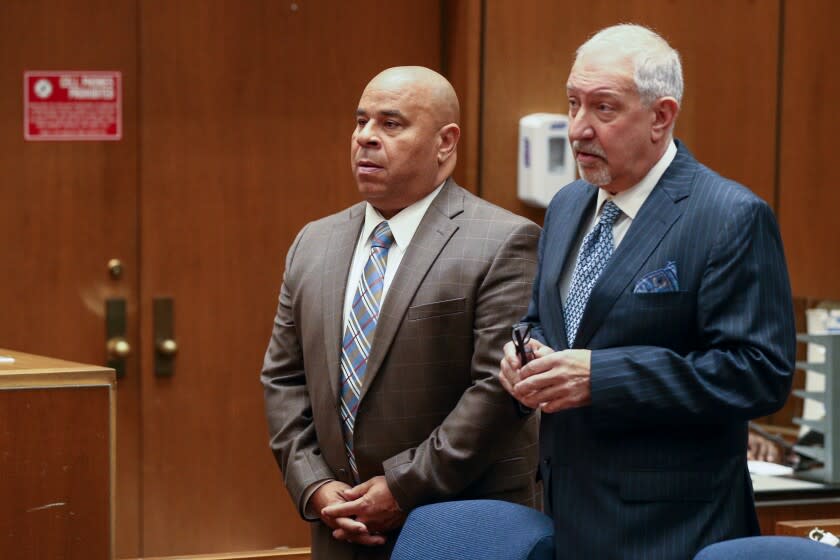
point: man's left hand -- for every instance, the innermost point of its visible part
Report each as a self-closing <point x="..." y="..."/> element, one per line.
<point x="370" y="503"/>
<point x="556" y="381"/>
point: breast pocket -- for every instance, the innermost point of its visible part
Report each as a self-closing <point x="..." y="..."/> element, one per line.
<point x="437" y="309"/>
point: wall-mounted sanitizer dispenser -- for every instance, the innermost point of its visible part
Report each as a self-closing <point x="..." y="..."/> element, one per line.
<point x="546" y="162"/>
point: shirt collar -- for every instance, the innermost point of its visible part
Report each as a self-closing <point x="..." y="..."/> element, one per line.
<point x="631" y="200"/>
<point x="404" y="223"/>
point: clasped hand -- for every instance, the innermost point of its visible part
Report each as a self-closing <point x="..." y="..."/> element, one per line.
<point x="361" y="513"/>
<point x="550" y="381"/>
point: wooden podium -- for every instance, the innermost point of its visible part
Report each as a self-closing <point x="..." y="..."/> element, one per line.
<point x="56" y="459"/>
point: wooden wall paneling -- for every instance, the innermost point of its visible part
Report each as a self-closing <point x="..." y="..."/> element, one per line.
<point x="808" y="174"/>
<point x="248" y="108"/>
<point x="729" y="56"/>
<point x="461" y="35"/>
<point x="66" y="208"/>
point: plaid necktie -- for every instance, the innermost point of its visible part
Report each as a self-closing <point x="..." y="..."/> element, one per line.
<point x="595" y="251"/>
<point x="358" y="334"/>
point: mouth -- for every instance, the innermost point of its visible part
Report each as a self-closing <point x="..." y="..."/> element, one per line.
<point x="589" y="154"/>
<point x="365" y="166"/>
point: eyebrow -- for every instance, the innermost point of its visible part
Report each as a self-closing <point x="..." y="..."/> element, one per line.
<point x="386" y="113"/>
<point x="601" y="90"/>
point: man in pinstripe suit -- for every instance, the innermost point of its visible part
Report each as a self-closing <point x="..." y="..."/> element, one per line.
<point x="431" y="421"/>
<point x="683" y="333"/>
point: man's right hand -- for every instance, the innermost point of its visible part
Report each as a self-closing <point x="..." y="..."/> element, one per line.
<point x="510" y="366"/>
<point x="760" y="448"/>
<point x="354" y="531"/>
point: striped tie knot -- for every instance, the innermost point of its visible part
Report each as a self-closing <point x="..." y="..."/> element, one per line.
<point x="382" y="236"/>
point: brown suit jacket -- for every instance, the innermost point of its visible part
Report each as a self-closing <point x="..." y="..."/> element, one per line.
<point x="433" y="417"/>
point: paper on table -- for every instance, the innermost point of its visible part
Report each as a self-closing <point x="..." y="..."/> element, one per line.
<point x="771" y="469"/>
<point x="763" y="483"/>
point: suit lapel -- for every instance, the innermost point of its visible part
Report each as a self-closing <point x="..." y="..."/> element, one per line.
<point x="555" y="255"/>
<point x="656" y="216"/>
<point x="432" y="235"/>
<point x="339" y="255"/>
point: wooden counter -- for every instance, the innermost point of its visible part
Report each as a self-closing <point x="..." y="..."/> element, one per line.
<point x="779" y="499"/>
<point x="56" y="459"/>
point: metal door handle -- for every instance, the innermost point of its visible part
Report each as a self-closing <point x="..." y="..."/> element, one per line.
<point x="117" y="348"/>
<point x="165" y="345"/>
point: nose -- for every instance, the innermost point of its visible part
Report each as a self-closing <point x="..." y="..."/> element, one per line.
<point x="366" y="136"/>
<point x="579" y="127"/>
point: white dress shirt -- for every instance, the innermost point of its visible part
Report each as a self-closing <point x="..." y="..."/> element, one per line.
<point x="403" y="226"/>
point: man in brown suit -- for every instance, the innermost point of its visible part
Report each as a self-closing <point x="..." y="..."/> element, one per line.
<point x="380" y="376"/>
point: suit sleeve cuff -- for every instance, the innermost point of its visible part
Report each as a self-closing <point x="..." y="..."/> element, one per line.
<point x="396" y="468"/>
<point x="305" y="507"/>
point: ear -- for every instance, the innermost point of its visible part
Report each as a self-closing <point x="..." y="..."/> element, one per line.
<point x="663" y="114"/>
<point x="448" y="137"/>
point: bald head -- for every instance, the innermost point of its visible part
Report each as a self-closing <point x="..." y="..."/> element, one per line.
<point x="430" y="87"/>
<point x="406" y="137"/>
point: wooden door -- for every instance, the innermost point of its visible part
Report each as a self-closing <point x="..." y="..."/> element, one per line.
<point x="236" y="127"/>
<point x="247" y="112"/>
<point x="67" y="208"/>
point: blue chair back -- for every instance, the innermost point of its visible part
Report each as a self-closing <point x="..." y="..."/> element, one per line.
<point x="475" y="529"/>
<point x="766" y="548"/>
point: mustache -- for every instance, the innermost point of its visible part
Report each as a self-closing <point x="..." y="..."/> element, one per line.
<point x="590" y="148"/>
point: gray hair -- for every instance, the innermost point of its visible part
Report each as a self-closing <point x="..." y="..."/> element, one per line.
<point x="657" y="66"/>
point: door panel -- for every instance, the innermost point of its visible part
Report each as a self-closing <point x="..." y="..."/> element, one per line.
<point x="247" y="113"/>
<point x="66" y="208"/>
<point x="247" y="110"/>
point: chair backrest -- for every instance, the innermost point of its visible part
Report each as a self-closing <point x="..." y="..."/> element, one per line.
<point x="765" y="548"/>
<point x="475" y="529"/>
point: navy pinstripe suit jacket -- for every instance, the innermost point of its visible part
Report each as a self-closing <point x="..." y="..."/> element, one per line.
<point x="655" y="467"/>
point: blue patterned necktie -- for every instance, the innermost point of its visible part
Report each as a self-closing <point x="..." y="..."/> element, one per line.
<point x="358" y="334"/>
<point x="595" y="251"/>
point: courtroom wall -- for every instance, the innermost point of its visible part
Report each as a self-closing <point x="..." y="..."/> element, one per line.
<point x="761" y="78"/>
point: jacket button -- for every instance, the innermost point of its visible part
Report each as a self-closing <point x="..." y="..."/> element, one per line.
<point x="342" y="474"/>
<point x="547" y="461"/>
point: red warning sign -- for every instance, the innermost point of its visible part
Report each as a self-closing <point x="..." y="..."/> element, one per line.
<point x="72" y="105"/>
